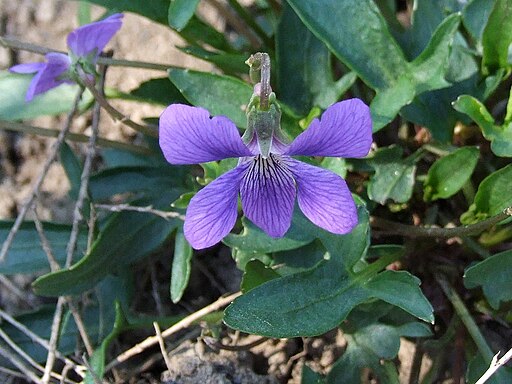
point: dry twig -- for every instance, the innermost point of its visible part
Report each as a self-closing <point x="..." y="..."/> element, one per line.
<point x="35" y="190"/>
<point x="20" y="365"/>
<point x="148" y="209"/>
<point x="182" y="324"/>
<point x="54" y="338"/>
<point x="37" y="339"/>
<point x="495" y="365"/>
<point x="161" y="342"/>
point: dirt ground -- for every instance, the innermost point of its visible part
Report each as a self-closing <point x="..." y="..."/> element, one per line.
<point x="47" y="22"/>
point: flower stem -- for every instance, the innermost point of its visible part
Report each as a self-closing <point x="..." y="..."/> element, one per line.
<point x="76" y="137"/>
<point x="10" y="42"/>
<point x="414" y="231"/>
<point x="116" y="115"/>
<point x="249" y="20"/>
<point x="466" y="318"/>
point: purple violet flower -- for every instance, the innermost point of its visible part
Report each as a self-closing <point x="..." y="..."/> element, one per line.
<point x="85" y="45"/>
<point x="267" y="177"/>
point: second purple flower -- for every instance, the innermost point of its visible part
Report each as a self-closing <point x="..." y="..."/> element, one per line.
<point x="85" y="45"/>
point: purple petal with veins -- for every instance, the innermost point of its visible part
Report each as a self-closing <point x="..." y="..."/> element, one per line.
<point x="344" y="130"/>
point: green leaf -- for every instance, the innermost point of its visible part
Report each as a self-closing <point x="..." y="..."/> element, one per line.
<point x="228" y="62"/>
<point x="497" y="37"/>
<point x="118" y="244"/>
<point x="492" y="197"/>
<point x="375" y="56"/>
<point x="154" y="9"/>
<point x="255" y="274"/>
<point x="135" y="179"/>
<point x="304" y="304"/>
<point x="475" y="16"/>
<point x="366" y="348"/>
<point x="393" y="178"/>
<point x="26" y="254"/>
<point x="401" y="289"/>
<point x="181" y="267"/>
<point x="426" y="17"/>
<point x="13" y="106"/>
<point x="347" y="250"/>
<point x="310" y="377"/>
<point x="254" y="240"/>
<point x="73" y="169"/>
<point x="159" y="91"/>
<point x="314" y="301"/>
<point x="426" y="73"/>
<point x="98" y="357"/>
<point x="493" y="275"/>
<point x="180" y="12"/>
<point x="370" y="52"/>
<point x="449" y="174"/>
<point x="98" y="318"/>
<point x="199" y="33"/>
<point x="304" y="66"/>
<point x="220" y="95"/>
<point x="499" y="136"/>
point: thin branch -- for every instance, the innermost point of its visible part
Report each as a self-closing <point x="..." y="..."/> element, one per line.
<point x="147" y="209"/>
<point x="250" y="21"/>
<point x="80" y="325"/>
<point x="161" y="343"/>
<point x="37" y="339"/>
<point x="27" y="358"/>
<point x="8" y="284"/>
<point x="466" y="318"/>
<point x="54" y="338"/>
<point x="95" y="377"/>
<point x="20" y="365"/>
<point x="35" y="190"/>
<point x="237" y="24"/>
<point x="76" y="137"/>
<point x="84" y="181"/>
<point x="495" y="365"/>
<point x="182" y="324"/>
<point x="118" y="116"/>
<point x="11" y="42"/>
<point x="392" y="227"/>
<point x="216" y="344"/>
<point x="10" y="372"/>
<point x="54" y="265"/>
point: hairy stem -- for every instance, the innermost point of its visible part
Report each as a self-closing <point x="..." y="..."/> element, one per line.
<point x="413" y="231"/>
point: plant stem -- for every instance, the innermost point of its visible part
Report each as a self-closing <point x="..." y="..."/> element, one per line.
<point x="116" y="115"/>
<point x="466" y="318"/>
<point x="35" y="190"/>
<point x="413" y="231"/>
<point x="237" y="24"/>
<point x="10" y="42"/>
<point x="76" y="137"/>
<point x="249" y="20"/>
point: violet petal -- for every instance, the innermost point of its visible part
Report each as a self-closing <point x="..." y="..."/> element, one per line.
<point x="212" y="212"/>
<point x="344" y="130"/>
<point x="324" y="197"/>
<point x="27" y="68"/>
<point x="268" y="195"/>
<point x="189" y="136"/>
<point x="48" y="76"/>
<point x="94" y="37"/>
